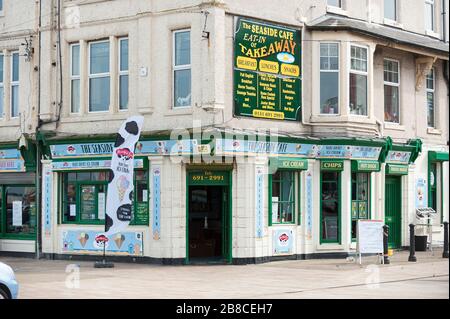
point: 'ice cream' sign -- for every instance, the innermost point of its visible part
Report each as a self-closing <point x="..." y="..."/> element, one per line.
<point x="120" y="188"/>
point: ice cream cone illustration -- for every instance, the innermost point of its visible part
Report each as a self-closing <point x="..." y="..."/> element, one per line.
<point x="122" y="186"/>
<point x="137" y="249"/>
<point x="83" y="238"/>
<point x="119" y="239"/>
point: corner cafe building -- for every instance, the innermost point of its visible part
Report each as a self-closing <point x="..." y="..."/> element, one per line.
<point x="231" y="198"/>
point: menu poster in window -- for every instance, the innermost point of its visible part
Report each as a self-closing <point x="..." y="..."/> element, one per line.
<point x="73" y="210"/>
<point x="17" y="213"/>
<point x="145" y="195"/>
<point x="101" y="205"/>
<point x="275" y="210"/>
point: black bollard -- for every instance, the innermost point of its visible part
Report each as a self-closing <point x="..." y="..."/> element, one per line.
<point x="445" y="253"/>
<point x="412" y="244"/>
<point x="386" y="244"/>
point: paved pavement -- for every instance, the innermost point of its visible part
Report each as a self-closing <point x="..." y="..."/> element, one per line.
<point x="428" y="278"/>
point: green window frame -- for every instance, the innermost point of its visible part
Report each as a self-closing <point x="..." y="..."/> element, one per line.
<point x="32" y="217"/>
<point x="360" y="199"/>
<point x="330" y="194"/>
<point x="282" y="183"/>
<point x="98" y="181"/>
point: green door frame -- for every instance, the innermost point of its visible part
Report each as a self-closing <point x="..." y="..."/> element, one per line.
<point x="435" y="158"/>
<point x="398" y="179"/>
<point x="323" y="241"/>
<point x="228" y="172"/>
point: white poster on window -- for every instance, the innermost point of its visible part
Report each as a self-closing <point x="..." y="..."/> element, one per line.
<point x="275" y="210"/>
<point x="17" y="213"/>
<point x="101" y="206"/>
<point x="73" y="210"/>
<point x="145" y="195"/>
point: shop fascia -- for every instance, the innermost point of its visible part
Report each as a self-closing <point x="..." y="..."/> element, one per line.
<point x="221" y="147"/>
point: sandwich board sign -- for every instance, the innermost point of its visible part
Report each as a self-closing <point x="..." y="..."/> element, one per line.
<point x="369" y="237"/>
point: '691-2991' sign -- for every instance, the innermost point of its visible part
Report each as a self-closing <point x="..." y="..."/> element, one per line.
<point x="267" y="71"/>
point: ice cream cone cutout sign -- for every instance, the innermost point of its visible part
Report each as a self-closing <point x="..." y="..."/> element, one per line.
<point x="119" y="206"/>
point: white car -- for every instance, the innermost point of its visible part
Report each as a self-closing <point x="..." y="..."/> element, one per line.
<point x="9" y="288"/>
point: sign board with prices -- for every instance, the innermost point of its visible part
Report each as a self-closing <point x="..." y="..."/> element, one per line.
<point x="267" y="71"/>
<point x="370" y="237"/>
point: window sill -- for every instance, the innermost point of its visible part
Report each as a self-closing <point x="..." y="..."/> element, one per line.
<point x="337" y="10"/>
<point x="344" y="119"/>
<point x="434" y="131"/>
<point x="283" y="224"/>
<point x="9" y="122"/>
<point x="394" y="126"/>
<point x="392" y="23"/>
<point x="180" y="111"/>
<point x="432" y="34"/>
<point x="330" y="246"/>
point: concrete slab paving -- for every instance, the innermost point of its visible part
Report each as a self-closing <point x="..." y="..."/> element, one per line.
<point x="325" y="279"/>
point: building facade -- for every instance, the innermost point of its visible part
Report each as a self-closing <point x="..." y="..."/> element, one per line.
<point x="270" y="128"/>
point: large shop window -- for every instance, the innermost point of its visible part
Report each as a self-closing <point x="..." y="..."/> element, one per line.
<point x="329" y="78"/>
<point x="330" y="207"/>
<point x="430" y="99"/>
<point x="182" y="69"/>
<point x="391" y="91"/>
<point x="358" y="80"/>
<point x="84" y="197"/>
<point x="18" y="211"/>
<point x="284" y="197"/>
<point x="99" y="76"/>
<point x="360" y="199"/>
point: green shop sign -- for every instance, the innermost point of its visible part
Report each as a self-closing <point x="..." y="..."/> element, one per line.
<point x="267" y="71"/>
<point x="397" y="169"/>
<point x="208" y="178"/>
<point x="365" y="166"/>
<point x="332" y="166"/>
<point x="289" y="163"/>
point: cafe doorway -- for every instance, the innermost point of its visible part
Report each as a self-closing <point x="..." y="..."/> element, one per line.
<point x="208" y="218"/>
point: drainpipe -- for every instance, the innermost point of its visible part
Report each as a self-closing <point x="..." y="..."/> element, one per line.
<point x="38" y="149"/>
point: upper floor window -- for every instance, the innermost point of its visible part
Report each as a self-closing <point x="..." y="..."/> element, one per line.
<point x="390" y="9"/>
<point x="15" y="84"/>
<point x="358" y="80"/>
<point x="391" y="91"/>
<point x="2" y="89"/>
<point x="182" y="69"/>
<point x="431" y="98"/>
<point x="75" y="78"/>
<point x="1" y="5"/>
<point x="429" y="15"/>
<point x="99" y="76"/>
<point x="335" y="3"/>
<point x="329" y="78"/>
<point x="123" y="74"/>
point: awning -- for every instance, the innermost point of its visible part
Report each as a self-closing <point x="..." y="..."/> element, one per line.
<point x="434" y="156"/>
